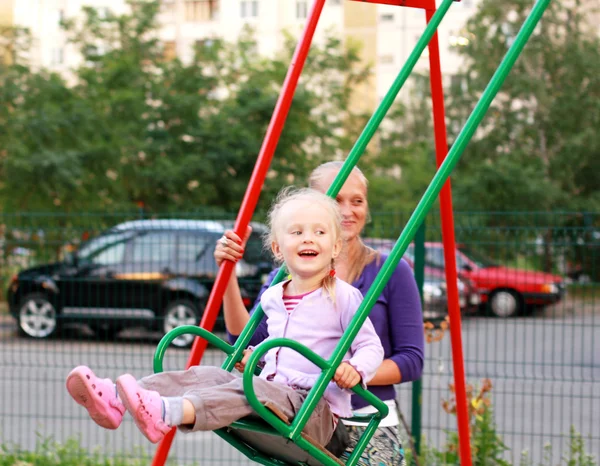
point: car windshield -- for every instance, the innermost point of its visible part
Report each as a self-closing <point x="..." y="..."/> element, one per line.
<point x="434" y="257"/>
<point x="105" y="249"/>
<point x="480" y="259"/>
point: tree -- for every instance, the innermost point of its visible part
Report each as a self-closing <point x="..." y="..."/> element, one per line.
<point x="401" y="162"/>
<point x="538" y="147"/>
<point x="137" y="129"/>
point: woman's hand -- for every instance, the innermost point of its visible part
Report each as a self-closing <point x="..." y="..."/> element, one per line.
<point x="240" y="366"/>
<point x="346" y="376"/>
<point x="230" y="246"/>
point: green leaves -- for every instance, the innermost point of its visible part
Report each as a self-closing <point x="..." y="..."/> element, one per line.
<point x="540" y="135"/>
<point x="134" y="128"/>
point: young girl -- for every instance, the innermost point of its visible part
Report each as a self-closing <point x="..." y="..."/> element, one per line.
<point x="312" y="307"/>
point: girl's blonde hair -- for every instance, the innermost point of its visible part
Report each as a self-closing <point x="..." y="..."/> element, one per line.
<point x="313" y="196"/>
<point x="366" y="255"/>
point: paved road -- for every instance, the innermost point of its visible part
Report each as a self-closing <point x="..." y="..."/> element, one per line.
<point x="546" y="375"/>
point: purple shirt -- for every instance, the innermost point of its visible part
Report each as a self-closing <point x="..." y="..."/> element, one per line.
<point x="318" y="323"/>
<point x="396" y="317"/>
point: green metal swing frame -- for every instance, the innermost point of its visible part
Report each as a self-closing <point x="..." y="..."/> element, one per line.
<point x="273" y="425"/>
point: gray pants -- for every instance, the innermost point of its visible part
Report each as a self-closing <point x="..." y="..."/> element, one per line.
<point x="218" y="398"/>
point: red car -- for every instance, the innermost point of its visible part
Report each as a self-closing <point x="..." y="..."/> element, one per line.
<point x="434" y="285"/>
<point x="506" y="290"/>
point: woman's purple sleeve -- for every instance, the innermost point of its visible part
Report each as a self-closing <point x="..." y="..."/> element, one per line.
<point x="261" y="332"/>
<point x="407" y="336"/>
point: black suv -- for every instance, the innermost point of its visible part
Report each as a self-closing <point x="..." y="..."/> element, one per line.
<point x="151" y="273"/>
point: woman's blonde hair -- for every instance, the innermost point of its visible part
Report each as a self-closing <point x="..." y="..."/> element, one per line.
<point x="313" y="196"/>
<point x="366" y="255"/>
<point x="317" y="175"/>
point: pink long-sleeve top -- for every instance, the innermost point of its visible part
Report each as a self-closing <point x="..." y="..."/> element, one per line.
<point x="318" y="323"/>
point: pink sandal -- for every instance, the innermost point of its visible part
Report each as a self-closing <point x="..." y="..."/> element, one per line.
<point x="96" y="395"/>
<point x="145" y="406"/>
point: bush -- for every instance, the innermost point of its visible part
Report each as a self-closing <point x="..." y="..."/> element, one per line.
<point x="71" y="453"/>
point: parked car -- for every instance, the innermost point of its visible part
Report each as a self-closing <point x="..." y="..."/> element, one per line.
<point x="505" y="290"/>
<point x="152" y="273"/>
<point x="435" y="301"/>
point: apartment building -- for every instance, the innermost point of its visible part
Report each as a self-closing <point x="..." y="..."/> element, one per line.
<point x="399" y="29"/>
<point x="387" y="33"/>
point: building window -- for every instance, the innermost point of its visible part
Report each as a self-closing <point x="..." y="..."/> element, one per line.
<point x="387" y="18"/>
<point x="249" y="8"/>
<point x="58" y="56"/>
<point x="60" y="16"/>
<point x="301" y="9"/>
<point x="103" y="12"/>
<point x="459" y="81"/>
<point x="167" y="7"/>
<point x="93" y="53"/>
<point x="204" y="43"/>
<point x="386" y="59"/>
<point x="201" y="10"/>
<point x="169" y="50"/>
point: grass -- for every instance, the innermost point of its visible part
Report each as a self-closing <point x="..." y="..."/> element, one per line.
<point x="585" y="292"/>
<point x="71" y="453"/>
<point x="51" y="453"/>
<point x="3" y="308"/>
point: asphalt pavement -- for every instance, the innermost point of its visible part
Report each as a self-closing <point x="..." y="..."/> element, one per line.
<point x="545" y="374"/>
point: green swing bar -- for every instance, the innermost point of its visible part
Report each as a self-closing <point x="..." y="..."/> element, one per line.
<point x="275" y="426"/>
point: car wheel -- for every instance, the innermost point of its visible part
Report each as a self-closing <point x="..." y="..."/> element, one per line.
<point x="505" y="303"/>
<point x="37" y="316"/>
<point x="178" y="313"/>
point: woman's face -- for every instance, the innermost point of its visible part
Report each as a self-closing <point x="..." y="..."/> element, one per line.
<point x="352" y="200"/>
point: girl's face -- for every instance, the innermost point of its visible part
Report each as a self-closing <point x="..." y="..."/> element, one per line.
<point x="306" y="239"/>
<point x="352" y="200"/>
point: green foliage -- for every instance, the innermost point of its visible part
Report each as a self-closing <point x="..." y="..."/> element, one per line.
<point x="132" y="128"/>
<point x="538" y="146"/>
<point x="488" y="448"/>
<point x="71" y="453"/>
<point x="401" y="168"/>
<point x="577" y="455"/>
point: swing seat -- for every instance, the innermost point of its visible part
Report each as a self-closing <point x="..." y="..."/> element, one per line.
<point x="264" y="442"/>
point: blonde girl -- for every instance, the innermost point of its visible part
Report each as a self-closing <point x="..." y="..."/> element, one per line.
<point x="309" y="308"/>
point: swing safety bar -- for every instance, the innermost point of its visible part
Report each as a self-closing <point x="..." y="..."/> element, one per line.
<point x="328" y="367"/>
<point x="293" y="431"/>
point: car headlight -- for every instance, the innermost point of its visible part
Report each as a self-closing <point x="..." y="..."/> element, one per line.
<point x="243" y="269"/>
<point x="432" y="290"/>
<point x="551" y="288"/>
<point x="460" y="285"/>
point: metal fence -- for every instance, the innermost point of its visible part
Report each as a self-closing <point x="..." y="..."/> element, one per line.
<point x="544" y="362"/>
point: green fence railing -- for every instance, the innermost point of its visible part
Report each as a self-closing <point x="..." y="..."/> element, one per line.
<point x="542" y="358"/>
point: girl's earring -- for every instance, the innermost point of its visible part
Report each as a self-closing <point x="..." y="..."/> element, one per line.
<point x="332" y="273"/>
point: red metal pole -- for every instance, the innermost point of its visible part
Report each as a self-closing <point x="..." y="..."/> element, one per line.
<point x="441" y="150"/>
<point x="251" y="197"/>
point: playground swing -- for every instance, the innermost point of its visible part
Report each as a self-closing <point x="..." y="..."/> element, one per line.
<point x="275" y="440"/>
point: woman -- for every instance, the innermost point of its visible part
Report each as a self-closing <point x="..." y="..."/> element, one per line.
<point x="396" y="315"/>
